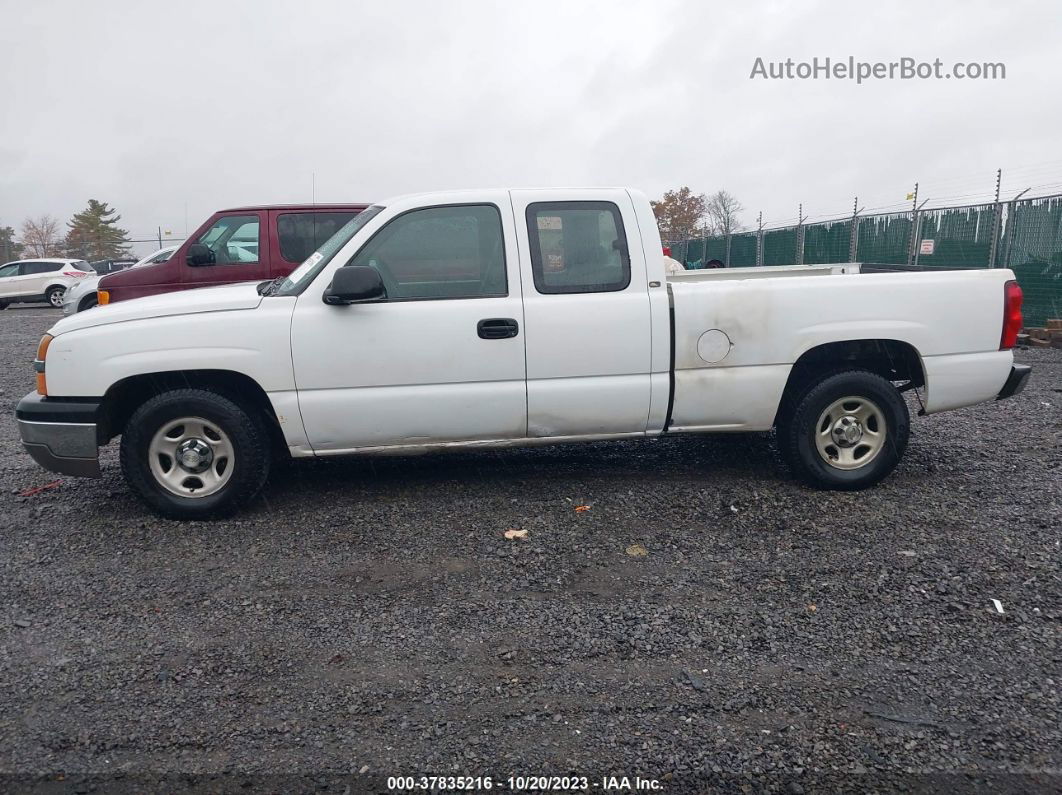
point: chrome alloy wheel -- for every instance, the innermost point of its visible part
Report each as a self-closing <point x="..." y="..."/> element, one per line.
<point x="55" y="297"/>
<point x="191" y="457"/>
<point x="850" y="433"/>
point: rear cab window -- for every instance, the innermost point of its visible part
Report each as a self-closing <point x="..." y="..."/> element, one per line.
<point x="578" y="247"/>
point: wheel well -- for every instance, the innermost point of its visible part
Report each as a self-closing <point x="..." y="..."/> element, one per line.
<point x="87" y="302"/>
<point x="125" y="396"/>
<point x="891" y="359"/>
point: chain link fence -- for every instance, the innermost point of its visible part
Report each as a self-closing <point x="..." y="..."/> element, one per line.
<point x="1023" y="235"/>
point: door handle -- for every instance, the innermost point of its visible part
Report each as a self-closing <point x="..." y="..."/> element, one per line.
<point x="497" y="328"/>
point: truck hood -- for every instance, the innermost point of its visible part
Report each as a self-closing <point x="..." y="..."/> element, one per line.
<point x="187" y="302"/>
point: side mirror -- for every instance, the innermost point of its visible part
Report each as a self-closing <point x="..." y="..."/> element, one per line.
<point x="199" y="255"/>
<point x="355" y="284"/>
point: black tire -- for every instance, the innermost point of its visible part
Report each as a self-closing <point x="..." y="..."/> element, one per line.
<point x="244" y="428"/>
<point x="53" y="291"/>
<point x="798" y="427"/>
<point x="3" y="304"/>
<point x="88" y="302"/>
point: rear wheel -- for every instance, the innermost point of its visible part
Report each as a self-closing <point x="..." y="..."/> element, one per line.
<point x="848" y="431"/>
<point x="194" y="454"/>
<point x="55" y="296"/>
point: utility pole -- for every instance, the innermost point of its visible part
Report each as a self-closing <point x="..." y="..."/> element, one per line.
<point x="160" y="237"/>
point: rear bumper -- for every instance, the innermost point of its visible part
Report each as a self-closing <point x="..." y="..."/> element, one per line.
<point x="1016" y="381"/>
<point x="60" y="434"/>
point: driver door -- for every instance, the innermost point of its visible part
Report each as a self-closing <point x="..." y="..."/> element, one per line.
<point x="441" y="359"/>
<point x="237" y="241"/>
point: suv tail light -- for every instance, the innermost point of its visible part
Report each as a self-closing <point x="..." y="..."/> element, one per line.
<point x="1012" y="321"/>
<point x="74" y="273"/>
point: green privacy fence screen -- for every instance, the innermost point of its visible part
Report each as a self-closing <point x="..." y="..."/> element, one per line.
<point x="1025" y="236"/>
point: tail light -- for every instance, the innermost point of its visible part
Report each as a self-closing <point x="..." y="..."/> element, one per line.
<point x="1012" y="321"/>
<point x="103" y="297"/>
<point x="74" y="273"/>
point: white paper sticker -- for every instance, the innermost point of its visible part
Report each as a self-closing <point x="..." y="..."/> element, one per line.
<point x="550" y="222"/>
<point x="313" y="259"/>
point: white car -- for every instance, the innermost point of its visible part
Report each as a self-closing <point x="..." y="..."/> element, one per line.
<point x="82" y="295"/>
<point x="496" y="318"/>
<point x="44" y="279"/>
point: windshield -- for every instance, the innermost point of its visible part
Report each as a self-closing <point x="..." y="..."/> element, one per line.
<point x="305" y="273"/>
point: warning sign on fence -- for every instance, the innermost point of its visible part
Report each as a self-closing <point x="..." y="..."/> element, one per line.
<point x="927" y="247"/>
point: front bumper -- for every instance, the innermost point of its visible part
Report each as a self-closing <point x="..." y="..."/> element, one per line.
<point x="1016" y="381"/>
<point x="60" y="434"/>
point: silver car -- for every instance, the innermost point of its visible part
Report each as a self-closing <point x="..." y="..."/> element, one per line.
<point x="82" y="295"/>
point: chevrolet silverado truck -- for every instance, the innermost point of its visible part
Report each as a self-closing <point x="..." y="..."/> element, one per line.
<point x="495" y="318"/>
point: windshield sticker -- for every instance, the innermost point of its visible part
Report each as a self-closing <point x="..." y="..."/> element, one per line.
<point x="314" y="259"/>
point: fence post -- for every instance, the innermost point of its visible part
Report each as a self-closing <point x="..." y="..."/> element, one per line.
<point x="800" y="235"/>
<point x="759" y="239"/>
<point x="997" y="222"/>
<point x="727" y="263"/>
<point x="916" y="229"/>
<point x="853" y="237"/>
<point x="912" y="244"/>
<point x="1012" y="208"/>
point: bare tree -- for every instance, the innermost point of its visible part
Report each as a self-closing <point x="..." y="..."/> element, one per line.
<point x="723" y="210"/>
<point x="40" y="237"/>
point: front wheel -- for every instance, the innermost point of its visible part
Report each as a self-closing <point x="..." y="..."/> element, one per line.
<point x="55" y="296"/>
<point x="193" y="454"/>
<point x="846" y="432"/>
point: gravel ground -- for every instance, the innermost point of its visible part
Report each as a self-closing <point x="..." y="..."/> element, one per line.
<point x="367" y="618"/>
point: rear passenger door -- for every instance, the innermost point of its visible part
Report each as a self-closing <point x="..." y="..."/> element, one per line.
<point x="35" y="277"/>
<point x="586" y="314"/>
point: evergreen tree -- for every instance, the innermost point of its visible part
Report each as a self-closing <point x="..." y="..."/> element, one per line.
<point x="94" y="233"/>
<point x="9" y="249"/>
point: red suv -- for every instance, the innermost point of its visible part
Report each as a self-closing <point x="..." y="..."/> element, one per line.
<point x="239" y="245"/>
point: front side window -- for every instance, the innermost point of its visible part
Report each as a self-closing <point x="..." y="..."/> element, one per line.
<point x="301" y="234"/>
<point x="9" y="270"/>
<point x="233" y="239"/>
<point x="440" y="252"/>
<point x="578" y="247"/>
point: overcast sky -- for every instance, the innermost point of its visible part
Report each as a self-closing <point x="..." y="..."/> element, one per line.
<point x="169" y="111"/>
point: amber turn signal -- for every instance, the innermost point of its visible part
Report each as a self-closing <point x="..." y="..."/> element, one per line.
<point x="38" y="364"/>
<point x="103" y="297"/>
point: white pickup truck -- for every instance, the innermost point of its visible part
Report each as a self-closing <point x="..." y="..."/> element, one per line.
<point x="510" y="317"/>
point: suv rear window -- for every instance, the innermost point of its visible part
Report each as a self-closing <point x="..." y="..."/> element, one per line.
<point x="301" y="234"/>
<point x="81" y="265"/>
